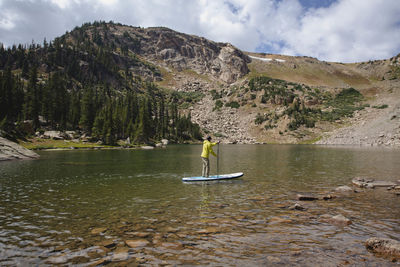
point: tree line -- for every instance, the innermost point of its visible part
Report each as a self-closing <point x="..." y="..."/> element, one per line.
<point x="47" y="87"/>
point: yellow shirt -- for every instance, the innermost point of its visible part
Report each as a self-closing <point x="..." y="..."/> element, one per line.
<point x="207" y="149"/>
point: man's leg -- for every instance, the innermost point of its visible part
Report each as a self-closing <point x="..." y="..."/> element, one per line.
<point x="206" y="167"/>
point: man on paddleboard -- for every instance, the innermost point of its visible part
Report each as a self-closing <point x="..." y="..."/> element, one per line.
<point x="207" y="149"/>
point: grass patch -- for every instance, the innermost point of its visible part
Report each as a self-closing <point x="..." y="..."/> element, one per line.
<point x="39" y="144"/>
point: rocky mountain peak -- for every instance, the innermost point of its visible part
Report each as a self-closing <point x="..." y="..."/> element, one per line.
<point x="182" y="51"/>
<point x="165" y="47"/>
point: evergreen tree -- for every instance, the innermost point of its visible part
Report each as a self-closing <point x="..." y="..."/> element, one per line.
<point x="88" y="111"/>
<point x="31" y="110"/>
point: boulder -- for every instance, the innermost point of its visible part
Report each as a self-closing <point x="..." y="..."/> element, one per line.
<point x="385" y="246"/>
<point x="10" y="150"/>
<point x="164" y="142"/>
<point x="56" y="135"/>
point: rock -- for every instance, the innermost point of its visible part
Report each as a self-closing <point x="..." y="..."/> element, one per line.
<point x="344" y="188"/>
<point x="147" y="147"/>
<point x="370" y="183"/>
<point x="383" y="184"/>
<point x="10" y="150"/>
<point x="99" y="230"/>
<point x="208" y="230"/>
<point x="170" y="245"/>
<point x="139" y="234"/>
<point x="120" y="256"/>
<point x="329" y="196"/>
<point x="100" y="262"/>
<point x="339" y="220"/>
<point x="306" y="197"/>
<point x="361" y="182"/>
<point x="164" y="142"/>
<point x="385" y="246"/>
<point x="297" y="206"/>
<point x="57" y="260"/>
<point x="108" y="244"/>
<point x="137" y="243"/>
<point x="273" y="259"/>
<point x="278" y="220"/>
<point x="56" y="135"/>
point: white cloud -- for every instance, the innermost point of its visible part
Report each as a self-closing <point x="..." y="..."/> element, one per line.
<point x="350" y="30"/>
<point x="346" y="30"/>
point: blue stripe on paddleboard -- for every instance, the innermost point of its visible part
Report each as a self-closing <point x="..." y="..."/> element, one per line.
<point x="213" y="177"/>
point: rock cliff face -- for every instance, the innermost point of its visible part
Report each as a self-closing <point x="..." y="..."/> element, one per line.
<point x="10" y="150"/>
<point x="182" y="51"/>
<point x="165" y="47"/>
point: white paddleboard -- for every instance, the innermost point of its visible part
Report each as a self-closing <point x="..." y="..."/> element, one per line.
<point x="213" y="177"/>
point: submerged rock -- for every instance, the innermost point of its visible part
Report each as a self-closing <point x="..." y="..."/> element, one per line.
<point x="137" y="243"/>
<point x="297" y="206"/>
<point x="370" y="183"/>
<point x="338" y="220"/>
<point x="306" y="197"/>
<point x="344" y="188"/>
<point x="108" y="243"/>
<point x="99" y="230"/>
<point x="385" y="246"/>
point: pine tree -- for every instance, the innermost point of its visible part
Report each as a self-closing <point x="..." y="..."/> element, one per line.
<point x="88" y="112"/>
<point x="31" y="110"/>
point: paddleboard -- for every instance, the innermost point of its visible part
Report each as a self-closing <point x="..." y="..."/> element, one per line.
<point x="213" y="177"/>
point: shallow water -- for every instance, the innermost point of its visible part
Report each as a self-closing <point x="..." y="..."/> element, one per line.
<point x="80" y="207"/>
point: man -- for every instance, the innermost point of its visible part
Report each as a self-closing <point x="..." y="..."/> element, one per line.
<point x="207" y="149"/>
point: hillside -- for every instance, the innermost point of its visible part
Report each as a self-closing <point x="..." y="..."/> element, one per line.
<point x="109" y="81"/>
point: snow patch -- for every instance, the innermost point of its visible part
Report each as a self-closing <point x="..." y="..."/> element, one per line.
<point x="267" y="59"/>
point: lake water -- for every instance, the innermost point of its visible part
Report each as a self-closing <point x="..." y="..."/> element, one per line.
<point x="83" y="207"/>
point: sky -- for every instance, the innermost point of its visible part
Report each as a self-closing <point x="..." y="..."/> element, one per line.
<point x="330" y="30"/>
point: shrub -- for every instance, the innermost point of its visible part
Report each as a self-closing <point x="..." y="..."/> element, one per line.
<point x="232" y="104"/>
<point x="218" y="104"/>
<point x="260" y="118"/>
<point x="381" y="106"/>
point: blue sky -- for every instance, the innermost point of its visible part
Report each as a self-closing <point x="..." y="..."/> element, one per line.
<point x="331" y="30"/>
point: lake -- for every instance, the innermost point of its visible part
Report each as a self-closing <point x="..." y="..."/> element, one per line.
<point x="130" y="207"/>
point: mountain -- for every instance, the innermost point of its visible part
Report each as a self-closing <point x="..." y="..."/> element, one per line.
<point x="113" y="81"/>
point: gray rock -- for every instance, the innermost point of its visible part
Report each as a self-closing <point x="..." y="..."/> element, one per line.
<point x="164" y="142"/>
<point x="386" y="246"/>
<point x="147" y="147"/>
<point x="344" y="188"/>
<point x="56" y="135"/>
<point x="10" y="150"/>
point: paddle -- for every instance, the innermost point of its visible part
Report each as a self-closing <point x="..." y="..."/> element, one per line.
<point x="218" y="160"/>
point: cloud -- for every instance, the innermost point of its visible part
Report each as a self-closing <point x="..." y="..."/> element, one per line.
<point x="333" y="30"/>
<point x="347" y="31"/>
